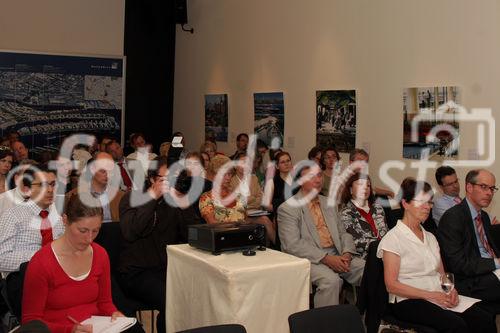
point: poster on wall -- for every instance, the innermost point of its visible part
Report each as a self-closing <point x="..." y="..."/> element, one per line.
<point x="46" y="98"/>
<point x="269" y="116"/>
<point x="216" y="117"/>
<point x="430" y="122"/>
<point x="336" y="119"/>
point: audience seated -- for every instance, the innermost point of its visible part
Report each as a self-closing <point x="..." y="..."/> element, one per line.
<point x="6" y="160"/>
<point x="177" y="151"/>
<point x="127" y="174"/>
<point x="20" y="193"/>
<point x="361" y="155"/>
<point x="20" y="151"/>
<point x="447" y="179"/>
<point x="413" y="266"/>
<point x="99" y="171"/>
<point x="282" y="180"/>
<point x="147" y="230"/>
<point x="27" y="227"/>
<point x="209" y="147"/>
<point x="330" y="161"/>
<point x="227" y="205"/>
<point x="466" y="243"/>
<point x="68" y="280"/>
<point x="241" y="145"/>
<point x="248" y="187"/>
<point x="315" y="154"/>
<point x="362" y="217"/>
<point x="142" y="151"/>
<point x="310" y="229"/>
<point x="214" y="165"/>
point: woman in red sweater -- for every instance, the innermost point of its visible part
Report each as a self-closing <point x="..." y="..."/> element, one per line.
<point x="68" y="280"/>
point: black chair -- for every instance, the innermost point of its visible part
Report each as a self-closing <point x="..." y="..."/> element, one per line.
<point x="327" y="319"/>
<point x="12" y="319"/>
<point x="110" y="238"/>
<point x="373" y="299"/>
<point x="230" y="328"/>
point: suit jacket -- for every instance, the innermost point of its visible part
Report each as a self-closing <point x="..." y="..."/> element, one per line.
<point x="114" y="203"/>
<point x="459" y="249"/>
<point x="299" y="235"/>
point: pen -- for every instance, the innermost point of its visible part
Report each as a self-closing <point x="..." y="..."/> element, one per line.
<point x="74" y="320"/>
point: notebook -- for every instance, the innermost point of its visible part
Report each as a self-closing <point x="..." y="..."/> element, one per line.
<point x="103" y="324"/>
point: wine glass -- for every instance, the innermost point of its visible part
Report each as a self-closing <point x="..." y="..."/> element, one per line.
<point x="447" y="282"/>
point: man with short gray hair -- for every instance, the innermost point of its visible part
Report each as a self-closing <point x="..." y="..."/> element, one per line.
<point x="466" y="242"/>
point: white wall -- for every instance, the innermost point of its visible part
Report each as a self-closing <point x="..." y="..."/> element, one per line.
<point x="93" y="27"/>
<point x="376" y="47"/>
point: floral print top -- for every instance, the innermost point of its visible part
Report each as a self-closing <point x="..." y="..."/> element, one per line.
<point x="235" y="212"/>
<point x="360" y="229"/>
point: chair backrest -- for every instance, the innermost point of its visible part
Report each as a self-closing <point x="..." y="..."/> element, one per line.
<point x="373" y="296"/>
<point x="229" y="328"/>
<point x="110" y="238"/>
<point x="327" y="319"/>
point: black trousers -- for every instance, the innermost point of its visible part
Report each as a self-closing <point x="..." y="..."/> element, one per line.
<point x="14" y="286"/>
<point x="422" y="312"/>
<point x="148" y="287"/>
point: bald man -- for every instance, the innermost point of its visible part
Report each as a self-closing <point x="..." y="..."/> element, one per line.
<point x="467" y="246"/>
<point x="101" y="170"/>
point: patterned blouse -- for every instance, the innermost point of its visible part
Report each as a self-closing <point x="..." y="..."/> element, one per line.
<point x="233" y="213"/>
<point x="360" y="229"/>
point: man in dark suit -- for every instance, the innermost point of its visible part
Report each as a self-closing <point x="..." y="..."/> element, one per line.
<point x="468" y="250"/>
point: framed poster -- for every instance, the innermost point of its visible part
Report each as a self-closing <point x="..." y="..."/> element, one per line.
<point x="336" y="119"/>
<point x="216" y="117"/>
<point x="269" y="116"/>
<point x="47" y="97"/>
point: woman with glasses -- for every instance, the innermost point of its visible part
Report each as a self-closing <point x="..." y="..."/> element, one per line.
<point x="282" y="181"/>
<point x="223" y="205"/>
<point x="413" y="270"/>
<point x="6" y="159"/>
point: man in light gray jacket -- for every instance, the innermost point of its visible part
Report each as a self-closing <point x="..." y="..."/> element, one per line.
<point x="309" y="229"/>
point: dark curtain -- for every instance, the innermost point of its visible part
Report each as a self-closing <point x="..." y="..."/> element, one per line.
<point x="150" y="50"/>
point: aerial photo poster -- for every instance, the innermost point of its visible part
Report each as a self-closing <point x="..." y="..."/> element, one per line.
<point x="46" y="98"/>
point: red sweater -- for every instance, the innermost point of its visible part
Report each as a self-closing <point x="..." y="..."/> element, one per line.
<point x="50" y="295"/>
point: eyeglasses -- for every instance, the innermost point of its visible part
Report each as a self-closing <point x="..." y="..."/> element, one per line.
<point x="485" y="187"/>
<point x="452" y="183"/>
<point x="45" y="184"/>
<point x="5" y="148"/>
<point x="423" y="202"/>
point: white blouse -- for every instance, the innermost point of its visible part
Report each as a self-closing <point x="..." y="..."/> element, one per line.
<point x="419" y="260"/>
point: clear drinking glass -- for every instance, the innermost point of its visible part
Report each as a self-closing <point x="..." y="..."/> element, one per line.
<point x="447" y="282"/>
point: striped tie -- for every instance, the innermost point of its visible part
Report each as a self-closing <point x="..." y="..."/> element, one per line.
<point x="482" y="236"/>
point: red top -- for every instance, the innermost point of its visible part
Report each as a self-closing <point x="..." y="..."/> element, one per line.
<point x="369" y="218"/>
<point x="50" y="295"/>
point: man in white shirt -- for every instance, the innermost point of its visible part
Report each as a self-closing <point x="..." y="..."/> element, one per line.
<point x="17" y="195"/>
<point x="116" y="151"/>
<point x="26" y="227"/>
<point x="101" y="168"/>
<point x="447" y="179"/>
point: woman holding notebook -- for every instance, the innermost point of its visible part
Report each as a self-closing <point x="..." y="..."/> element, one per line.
<point x="68" y="280"/>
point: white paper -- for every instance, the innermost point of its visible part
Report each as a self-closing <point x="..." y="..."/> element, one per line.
<point x="103" y="324"/>
<point x="256" y="212"/>
<point x="464" y="303"/>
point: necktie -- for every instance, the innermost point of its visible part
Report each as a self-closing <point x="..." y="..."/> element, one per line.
<point x="126" y="179"/>
<point x="482" y="235"/>
<point x="457" y="200"/>
<point x="45" y="228"/>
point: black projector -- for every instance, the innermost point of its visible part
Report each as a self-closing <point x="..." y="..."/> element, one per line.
<point x="220" y="237"/>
